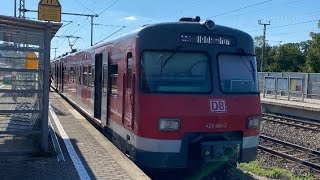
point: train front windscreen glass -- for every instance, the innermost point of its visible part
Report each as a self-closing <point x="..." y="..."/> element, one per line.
<point x="175" y="72"/>
<point x="238" y="73"/>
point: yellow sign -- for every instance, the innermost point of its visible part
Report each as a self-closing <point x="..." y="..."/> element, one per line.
<point x="31" y="56"/>
<point x="49" y="10"/>
<point x="296" y="85"/>
<point x="50" y="2"/>
<point x="31" y="61"/>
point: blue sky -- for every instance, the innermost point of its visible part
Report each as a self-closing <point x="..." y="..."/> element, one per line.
<point x="290" y="20"/>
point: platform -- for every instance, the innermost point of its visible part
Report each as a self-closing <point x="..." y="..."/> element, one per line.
<point x="85" y="152"/>
<point x="310" y="104"/>
<point x="309" y="108"/>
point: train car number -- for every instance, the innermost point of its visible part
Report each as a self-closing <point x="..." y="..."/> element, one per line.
<point x="216" y="125"/>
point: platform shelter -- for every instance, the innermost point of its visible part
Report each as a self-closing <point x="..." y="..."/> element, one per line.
<point x="24" y="84"/>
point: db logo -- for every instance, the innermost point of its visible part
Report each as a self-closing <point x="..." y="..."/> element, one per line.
<point x="218" y="105"/>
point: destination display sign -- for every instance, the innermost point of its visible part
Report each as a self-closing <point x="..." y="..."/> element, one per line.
<point x="208" y="39"/>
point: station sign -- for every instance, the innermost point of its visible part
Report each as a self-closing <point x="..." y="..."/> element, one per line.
<point x="32" y="61"/>
<point x="49" y="10"/>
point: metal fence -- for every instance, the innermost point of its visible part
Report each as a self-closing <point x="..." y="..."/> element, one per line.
<point x="289" y="85"/>
<point x="24" y="84"/>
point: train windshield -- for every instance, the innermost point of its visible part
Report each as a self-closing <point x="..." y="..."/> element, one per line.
<point x="238" y="73"/>
<point x="175" y="72"/>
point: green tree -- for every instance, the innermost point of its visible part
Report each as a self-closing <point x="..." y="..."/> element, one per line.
<point x="313" y="54"/>
<point x="304" y="46"/>
<point x="271" y="52"/>
<point x="287" y="57"/>
<point x="258" y="42"/>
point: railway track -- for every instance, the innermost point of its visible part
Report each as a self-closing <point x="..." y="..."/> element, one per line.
<point x="292" y="152"/>
<point x="308" y="125"/>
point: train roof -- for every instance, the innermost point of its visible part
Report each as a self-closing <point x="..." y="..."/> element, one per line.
<point x="187" y="24"/>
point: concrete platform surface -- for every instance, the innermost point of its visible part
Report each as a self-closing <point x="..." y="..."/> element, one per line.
<point x="308" y="104"/>
<point x="87" y="154"/>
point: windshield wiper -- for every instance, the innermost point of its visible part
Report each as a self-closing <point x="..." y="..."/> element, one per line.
<point x="169" y="58"/>
<point x="251" y="64"/>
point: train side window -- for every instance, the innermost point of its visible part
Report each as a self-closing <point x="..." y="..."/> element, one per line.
<point x="71" y="74"/>
<point x="89" y="76"/>
<point x="80" y="75"/>
<point x="75" y="73"/>
<point x="113" y="73"/>
<point x="105" y="76"/>
<point x="65" y="73"/>
<point x="129" y="70"/>
<point x="92" y="76"/>
<point x="85" y="75"/>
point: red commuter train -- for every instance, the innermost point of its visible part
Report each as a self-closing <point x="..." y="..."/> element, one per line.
<point x="170" y="95"/>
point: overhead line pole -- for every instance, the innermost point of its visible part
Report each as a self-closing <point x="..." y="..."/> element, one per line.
<point x="92" y="30"/>
<point x="263" y="62"/>
<point x="55" y="52"/>
<point x="21" y="9"/>
<point x="75" y="14"/>
<point x="15" y="8"/>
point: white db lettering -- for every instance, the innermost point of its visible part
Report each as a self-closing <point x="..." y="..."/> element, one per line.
<point x="217" y="105"/>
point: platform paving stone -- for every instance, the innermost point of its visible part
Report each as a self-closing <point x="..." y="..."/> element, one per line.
<point x="95" y="159"/>
<point x="98" y="155"/>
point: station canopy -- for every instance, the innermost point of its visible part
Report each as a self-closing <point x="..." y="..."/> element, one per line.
<point x="22" y="31"/>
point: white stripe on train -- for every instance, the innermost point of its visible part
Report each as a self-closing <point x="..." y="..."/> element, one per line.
<point x="157" y="145"/>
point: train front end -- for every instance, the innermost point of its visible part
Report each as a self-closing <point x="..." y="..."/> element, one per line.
<point x="198" y="99"/>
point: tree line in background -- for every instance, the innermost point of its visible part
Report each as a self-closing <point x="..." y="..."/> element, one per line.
<point x="291" y="57"/>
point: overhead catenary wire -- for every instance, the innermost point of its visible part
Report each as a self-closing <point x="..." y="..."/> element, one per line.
<point x="245" y="7"/>
<point x="108" y="25"/>
<point x="74" y="20"/>
<point x="196" y="3"/>
<point x="272" y="6"/>
<point x="107" y="8"/>
<point x="293" y="16"/>
<point x="291" y="24"/>
<point x="228" y="12"/>
<point x="103" y="11"/>
<point x="87" y="8"/>
<point x="111" y="34"/>
<point x="295" y="32"/>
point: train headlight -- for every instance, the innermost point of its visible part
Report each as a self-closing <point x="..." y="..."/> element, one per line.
<point x="169" y="124"/>
<point x="253" y="122"/>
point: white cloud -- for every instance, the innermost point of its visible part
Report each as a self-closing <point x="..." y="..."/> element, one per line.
<point x="130" y="18"/>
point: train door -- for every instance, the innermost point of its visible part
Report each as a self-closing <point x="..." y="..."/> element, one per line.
<point x="129" y="93"/>
<point x="98" y="86"/>
<point x="105" y="90"/>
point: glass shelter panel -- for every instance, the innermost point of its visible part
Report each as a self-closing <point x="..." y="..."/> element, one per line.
<point x="24" y="69"/>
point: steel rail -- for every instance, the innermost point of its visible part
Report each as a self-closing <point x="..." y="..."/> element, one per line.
<point x="282" y="154"/>
<point x="292" y="122"/>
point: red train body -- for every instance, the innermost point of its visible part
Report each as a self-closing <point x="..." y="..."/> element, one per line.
<point x="170" y="95"/>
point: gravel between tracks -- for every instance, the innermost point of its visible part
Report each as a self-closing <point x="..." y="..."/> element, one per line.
<point x="309" y="139"/>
